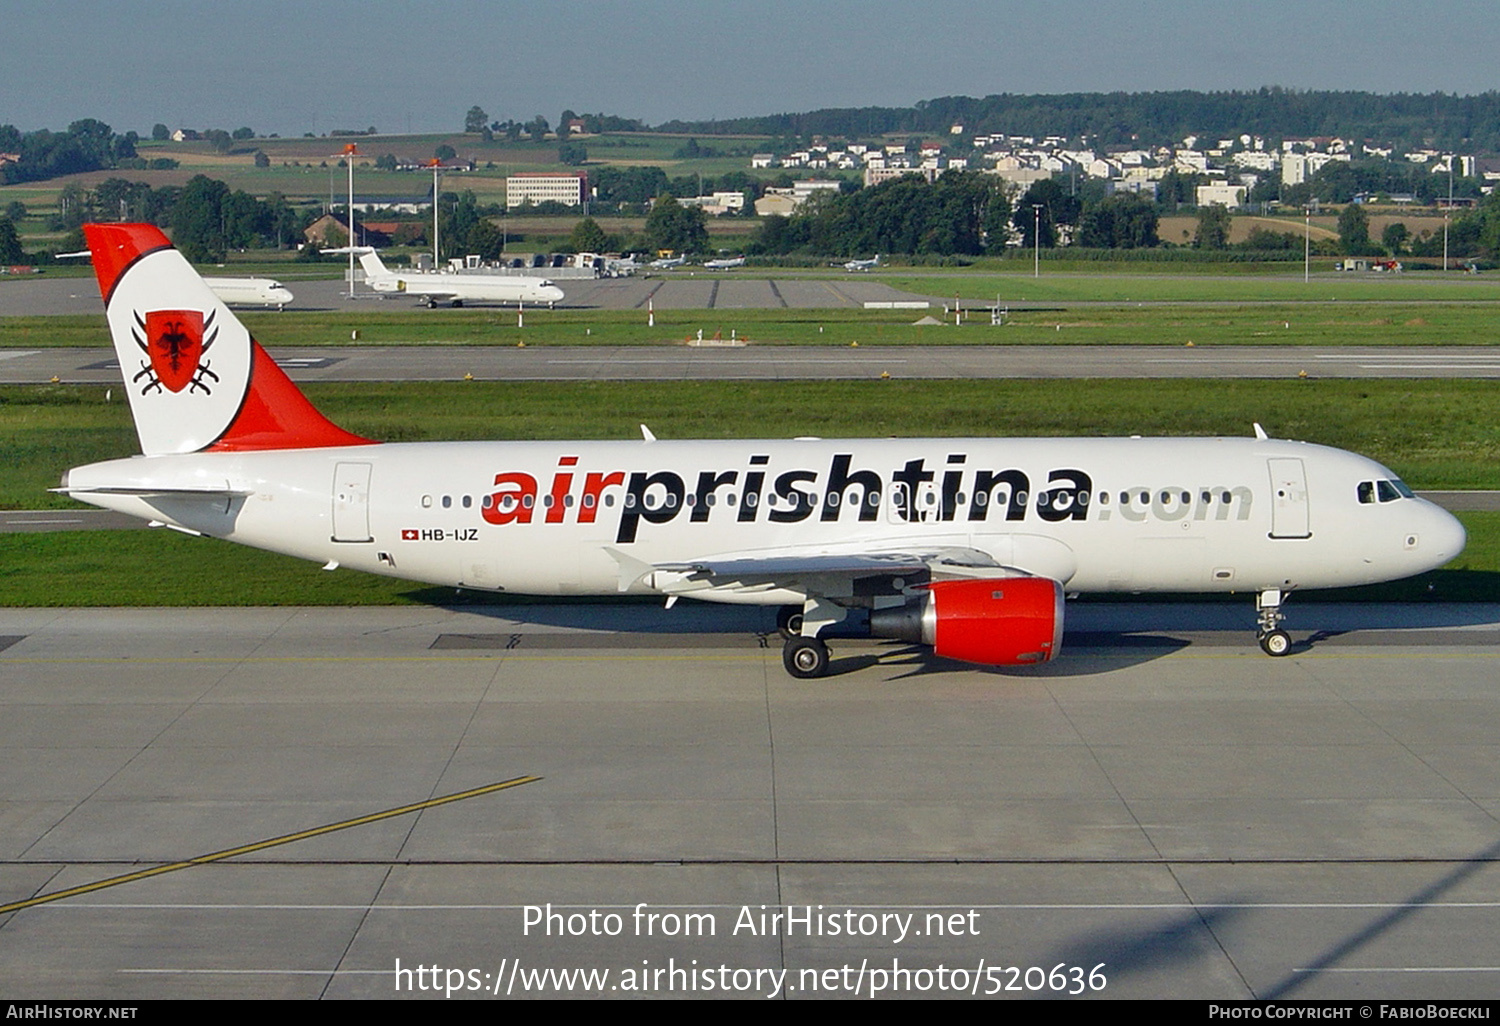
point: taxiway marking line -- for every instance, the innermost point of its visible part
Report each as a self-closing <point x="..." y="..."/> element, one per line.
<point x="246" y="849"/>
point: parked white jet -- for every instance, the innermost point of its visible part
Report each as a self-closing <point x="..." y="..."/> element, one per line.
<point x="863" y="265"/>
<point x="725" y="264"/>
<point x="250" y="291"/>
<point x="964" y="544"/>
<point x="448" y="287"/>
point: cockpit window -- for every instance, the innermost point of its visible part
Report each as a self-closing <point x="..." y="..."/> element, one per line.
<point x="1386" y="491"/>
<point x="1406" y="493"/>
<point x="1367" y="492"/>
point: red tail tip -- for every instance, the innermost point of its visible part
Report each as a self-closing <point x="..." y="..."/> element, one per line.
<point x="116" y="246"/>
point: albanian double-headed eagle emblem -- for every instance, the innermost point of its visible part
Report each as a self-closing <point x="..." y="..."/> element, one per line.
<point x="175" y="343"/>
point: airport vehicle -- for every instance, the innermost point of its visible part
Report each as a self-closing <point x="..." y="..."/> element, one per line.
<point x="454" y="288"/>
<point x="863" y="265"/>
<point x="667" y="263"/>
<point x="725" y="264"/>
<point x="963" y="544"/>
<point x="251" y="291"/>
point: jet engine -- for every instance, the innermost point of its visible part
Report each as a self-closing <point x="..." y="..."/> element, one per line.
<point x="998" y="621"/>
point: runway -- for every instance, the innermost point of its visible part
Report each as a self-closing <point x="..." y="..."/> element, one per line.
<point x="1163" y="812"/>
<point x="677" y="362"/>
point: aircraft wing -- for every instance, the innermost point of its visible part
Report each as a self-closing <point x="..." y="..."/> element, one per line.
<point x="836" y="577"/>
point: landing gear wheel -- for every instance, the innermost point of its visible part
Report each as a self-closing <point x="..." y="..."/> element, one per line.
<point x="805" y="658"/>
<point x="789" y="621"/>
<point x="1276" y="643"/>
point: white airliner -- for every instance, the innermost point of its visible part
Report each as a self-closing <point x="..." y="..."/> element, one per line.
<point x="725" y="264"/>
<point x="964" y="544"/>
<point x="250" y="291"/>
<point x="447" y="287"/>
<point x="863" y="265"/>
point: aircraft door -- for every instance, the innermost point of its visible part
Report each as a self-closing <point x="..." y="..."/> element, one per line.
<point x="904" y="506"/>
<point x="351" y="502"/>
<point x="1289" y="511"/>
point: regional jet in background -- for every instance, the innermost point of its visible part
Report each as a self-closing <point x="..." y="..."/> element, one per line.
<point x="436" y="287"/>
<point x="725" y="264"/>
<point x="863" y="265"/>
<point x="233" y="291"/>
<point x="963" y="544"/>
<point x="667" y="263"/>
<point x="250" y="291"/>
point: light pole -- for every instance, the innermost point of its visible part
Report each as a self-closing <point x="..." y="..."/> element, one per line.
<point x="351" y="150"/>
<point x="1036" y="238"/>
<point x="436" y="165"/>
<point x="1307" y="247"/>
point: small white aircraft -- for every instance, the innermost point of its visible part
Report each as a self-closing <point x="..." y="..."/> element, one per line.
<point x="449" y="287"/>
<point x="963" y="544"/>
<point x="233" y="291"/>
<point x="725" y="264"/>
<point x="667" y="263"/>
<point x="863" y="265"/>
<point x="251" y="291"/>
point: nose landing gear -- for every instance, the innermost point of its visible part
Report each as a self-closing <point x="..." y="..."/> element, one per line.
<point x="1273" y="640"/>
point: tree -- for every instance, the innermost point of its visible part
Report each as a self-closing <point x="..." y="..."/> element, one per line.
<point x="572" y="154"/>
<point x="537" y="128"/>
<point x="588" y="237"/>
<point x="197" y="220"/>
<point x="261" y="160"/>
<point x="1058" y="208"/>
<point x="445" y="152"/>
<point x="243" y="133"/>
<point x="385" y="162"/>
<point x="672" y="226"/>
<point x="160" y="132"/>
<point x="1122" y="221"/>
<point x="10" y="243"/>
<point x="1394" y="237"/>
<point x="564" y="125"/>
<point x="1213" y="227"/>
<point x="475" y="120"/>
<point x="1354" y="229"/>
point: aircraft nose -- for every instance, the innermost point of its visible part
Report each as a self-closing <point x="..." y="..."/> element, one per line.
<point x="1442" y="537"/>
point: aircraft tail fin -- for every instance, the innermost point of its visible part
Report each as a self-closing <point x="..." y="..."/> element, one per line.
<point x="373" y="265"/>
<point x="196" y="378"/>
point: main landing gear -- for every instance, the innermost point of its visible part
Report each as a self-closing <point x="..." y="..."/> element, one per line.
<point x="805" y="658"/>
<point x="1273" y="640"/>
<point x="804" y="654"/>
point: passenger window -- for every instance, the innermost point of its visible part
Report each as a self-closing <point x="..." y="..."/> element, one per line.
<point x="426" y="502"/>
<point x="468" y="501"/>
<point x="447" y="502"/>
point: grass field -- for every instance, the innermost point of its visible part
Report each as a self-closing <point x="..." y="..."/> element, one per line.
<point x="1308" y="324"/>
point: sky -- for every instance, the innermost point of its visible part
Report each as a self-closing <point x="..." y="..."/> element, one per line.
<point x="295" y="66"/>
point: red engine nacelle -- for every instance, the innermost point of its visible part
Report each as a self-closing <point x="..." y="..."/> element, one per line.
<point x="1006" y="621"/>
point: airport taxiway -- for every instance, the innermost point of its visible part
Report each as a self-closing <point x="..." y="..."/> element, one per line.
<point x="681" y="362"/>
<point x="1163" y="800"/>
